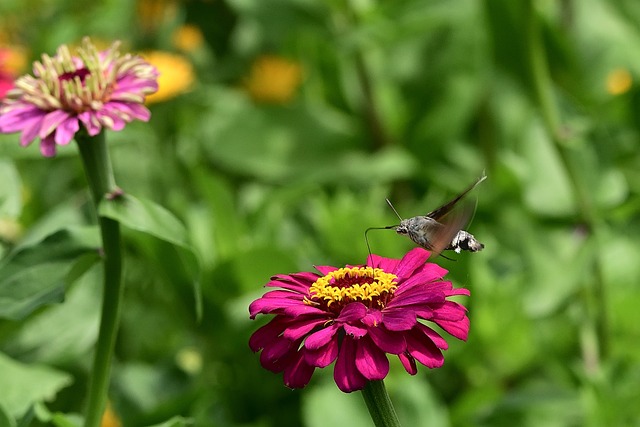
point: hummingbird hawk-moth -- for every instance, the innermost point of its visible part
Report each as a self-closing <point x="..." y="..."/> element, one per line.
<point x="442" y="228"/>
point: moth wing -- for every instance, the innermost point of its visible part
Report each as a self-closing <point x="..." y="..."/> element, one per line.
<point x="452" y="223"/>
<point x="441" y="212"/>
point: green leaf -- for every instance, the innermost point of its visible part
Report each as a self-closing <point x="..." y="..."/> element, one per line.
<point x="10" y="191"/>
<point x="23" y="385"/>
<point x="175" y="422"/>
<point x="74" y="325"/>
<point x="145" y="216"/>
<point x="57" y="419"/>
<point x="38" y="274"/>
<point x="5" y="419"/>
<point x="150" y="218"/>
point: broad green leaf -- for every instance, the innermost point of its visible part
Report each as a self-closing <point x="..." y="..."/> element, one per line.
<point x="74" y="325"/>
<point x="145" y="216"/>
<point x="150" y="218"/>
<point x="38" y="274"/>
<point x="23" y="385"/>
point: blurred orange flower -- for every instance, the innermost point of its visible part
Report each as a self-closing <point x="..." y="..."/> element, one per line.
<point x="619" y="81"/>
<point x="273" y="79"/>
<point x="110" y="418"/>
<point x="188" y="38"/>
<point x="12" y="62"/>
<point x="153" y="14"/>
<point x="176" y="74"/>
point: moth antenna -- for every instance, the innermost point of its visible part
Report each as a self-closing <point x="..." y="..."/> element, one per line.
<point x="394" y="209"/>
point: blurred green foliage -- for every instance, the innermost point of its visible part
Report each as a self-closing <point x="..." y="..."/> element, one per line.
<point x="407" y="100"/>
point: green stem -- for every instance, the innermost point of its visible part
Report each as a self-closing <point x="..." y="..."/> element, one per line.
<point x="379" y="133"/>
<point x="97" y="166"/>
<point x="543" y="93"/>
<point x="380" y="407"/>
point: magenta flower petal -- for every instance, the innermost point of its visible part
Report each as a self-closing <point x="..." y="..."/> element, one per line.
<point x="346" y="374"/>
<point x="296" y="310"/>
<point x="13" y="119"/>
<point x="323" y="356"/>
<point x="355" y="316"/>
<point x="417" y="296"/>
<point x="97" y="89"/>
<point x="421" y="348"/>
<point x="409" y="363"/>
<point x="90" y="122"/>
<point x="268" y="333"/>
<point x="302" y="328"/>
<point x="459" y="329"/>
<point x="48" y="146"/>
<point x="51" y="121"/>
<point x="450" y="311"/>
<point x="67" y="129"/>
<point x="277" y="349"/>
<point x="371" y="361"/>
<point x="373" y="318"/>
<point x="399" y="320"/>
<point x="352" y="312"/>
<point x="433" y="336"/>
<point x="298" y="373"/>
<point x="319" y="339"/>
<point x="298" y="283"/>
<point x="355" y="331"/>
<point x="414" y="259"/>
<point x="387" y="264"/>
<point x="325" y="269"/>
<point x="271" y="305"/>
<point x="31" y="128"/>
<point x="429" y="275"/>
<point x="388" y="341"/>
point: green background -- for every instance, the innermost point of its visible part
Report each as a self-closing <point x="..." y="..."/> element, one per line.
<point x="407" y="100"/>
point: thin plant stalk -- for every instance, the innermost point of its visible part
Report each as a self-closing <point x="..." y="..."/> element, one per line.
<point x="595" y="296"/>
<point x="97" y="166"/>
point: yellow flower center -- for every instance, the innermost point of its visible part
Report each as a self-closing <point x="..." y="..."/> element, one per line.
<point x="371" y="286"/>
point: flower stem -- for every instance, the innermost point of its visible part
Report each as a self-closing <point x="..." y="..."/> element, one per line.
<point x="97" y="166"/>
<point x="596" y="296"/>
<point x="379" y="405"/>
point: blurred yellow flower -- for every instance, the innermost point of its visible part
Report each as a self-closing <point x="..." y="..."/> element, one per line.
<point x="188" y="38"/>
<point x="176" y="74"/>
<point x="619" y="81"/>
<point x="189" y="360"/>
<point x="110" y="418"/>
<point x="273" y="79"/>
<point x="10" y="230"/>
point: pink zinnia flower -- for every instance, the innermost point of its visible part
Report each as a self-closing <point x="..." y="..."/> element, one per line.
<point x="98" y="89"/>
<point x="354" y="316"/>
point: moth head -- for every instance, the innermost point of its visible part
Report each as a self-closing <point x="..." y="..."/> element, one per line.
<point x="402" y="228"/>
